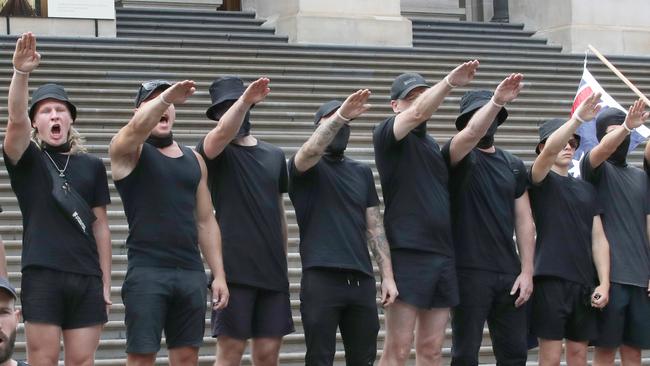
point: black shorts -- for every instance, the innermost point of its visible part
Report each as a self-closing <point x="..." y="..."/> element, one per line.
<point x="66" y="299"/>
<point x="253" y="313"/>
<point x="562" y="309"/>
<point x="169" y="299"/>
<point x="626" y="318"/>
<point x="425" y="280"/>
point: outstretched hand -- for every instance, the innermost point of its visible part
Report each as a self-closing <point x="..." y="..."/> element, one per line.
<point x="256" y="91"/>
<point x="463" y="74"/>
<point x="179" y="92"/>
<point x="589" y="108"/>
<point x="636" y="115"/>
<point x="26" y="59"/>
<point x="356" y="104"/>
<point x="508" y="89"/>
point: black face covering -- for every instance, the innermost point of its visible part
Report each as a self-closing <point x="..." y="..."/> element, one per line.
<point x="620" y="155"/>
<point x="421" y="129"/>
<point x="63" y="148"/>
<point x="613" y="117"/>
<point x="245" y="128"/>
<point x="337" y="147"/>
<point x="160" y="141"/>
<point x="487" y="141"/>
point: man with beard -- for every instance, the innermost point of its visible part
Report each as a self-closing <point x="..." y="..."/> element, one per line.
<point x="337" y="209"/>
<point x="167" y="203"/>
<point x="571" y="250"/>
<point x="623" y="194"/>
<point x="9" y="319"/>
<point x="414" y="181"/>
<point x="247" y="178"/>
<point x="488" y="203"/>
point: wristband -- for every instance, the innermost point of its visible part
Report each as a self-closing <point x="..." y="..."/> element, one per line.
<point x="578" y="118"/>
<point x="449" y="82"/>
<point x="20" y="72"/>
<point x="162" y="99"/>
<point x="496" y="104"/>
<point x="338" y="114"/>
<point x="626" y="128"/>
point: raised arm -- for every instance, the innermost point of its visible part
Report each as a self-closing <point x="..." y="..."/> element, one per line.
<point x="25" y="60"/>
<point x="468" y="137"/>
<point x="429" y="101"/>
<point x="210" y="239"/>
<point x="229" y="124"/>
<point x="636" y="116"/>
<point x="311" y="151"/>
<point x="125" y="148"/>
<point x="378" y="244"/>
<point x="558" y="139"/>
<point x="525" y="232"/>
<point x="600" y="253"/>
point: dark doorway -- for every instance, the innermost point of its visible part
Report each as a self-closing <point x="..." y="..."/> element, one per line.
<point x="230" y="5"/>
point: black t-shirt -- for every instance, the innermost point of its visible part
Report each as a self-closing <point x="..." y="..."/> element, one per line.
<point x="625" y="200"/>
<point x="414" y="181"/>
<point x="247" y="183"/>
<point x="159" y="198"/>
<point x="331" y="200"/>
<point x="483" y="188"/>
<point x="50" y="239"/>
<point x="564" y="210"/>
<point x="21" y="363"/>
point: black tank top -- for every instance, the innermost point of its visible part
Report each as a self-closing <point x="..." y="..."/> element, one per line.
<point x="159" y="198"/>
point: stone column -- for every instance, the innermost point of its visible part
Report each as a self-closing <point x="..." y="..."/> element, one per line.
<point x="613" y="27"/>
<point x="339" y="22"/>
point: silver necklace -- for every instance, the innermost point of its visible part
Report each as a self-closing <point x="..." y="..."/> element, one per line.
<point x="61" y="171"/>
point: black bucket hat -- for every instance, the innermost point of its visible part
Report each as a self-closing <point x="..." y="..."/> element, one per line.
<point x="547" y="128"/>
<point x="404" y="83"/>
<point x="222" y="90"/>
<point x="53" y="91"/>
<point x="326" y="109"/>
<point x="471" y="102"/>
<point x="149" y="87"/>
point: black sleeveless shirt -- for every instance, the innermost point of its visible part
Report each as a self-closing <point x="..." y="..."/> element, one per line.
<point x="159" y="198"/>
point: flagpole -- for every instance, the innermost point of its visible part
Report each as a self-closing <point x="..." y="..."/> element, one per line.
<point x="619" y="74"/>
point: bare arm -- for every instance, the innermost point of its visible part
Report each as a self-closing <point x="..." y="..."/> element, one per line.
<point x="229" y="124"/>
<point x="311" y="151"/>
<point x="636" y="116"/>
<point x="466" y="140"/>
<point x="378" y="244"/>
<point x="210" y="239"/>
<point x="3" y="261"/>
<point x="558" y="139"/>
<point x="126" y="145"/>
<point x="600" y="252"/>
<point x="525" y="232"/>
<point x="283" y="223"/>
<point x="647" y="219"/>
<point x="25" y="60"/>
<point x="429" y="101"/>
<point x="102" y="235"/>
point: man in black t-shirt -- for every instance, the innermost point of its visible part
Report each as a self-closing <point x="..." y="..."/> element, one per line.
<point x="570" y="241"/>
<point x="489" y="203"/>
<point x="413" y="177"/>
<point x="624" y="197"/>
<point x="247" y="178"/>
<point x="337" y="209"/>
<point x="166" y="199"/>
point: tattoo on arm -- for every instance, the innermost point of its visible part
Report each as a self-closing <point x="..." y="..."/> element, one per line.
<point x="324" y="134"/>
<point x="377" y="237"/>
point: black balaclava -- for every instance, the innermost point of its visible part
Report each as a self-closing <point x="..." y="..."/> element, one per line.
<point x="160" y="141"/>
<point x="421" y="129"/>
<point x="245" y="128"/>
<point x="613" y="117"/>
<point x="487" y="141"/>
<point x="337" y="147"/>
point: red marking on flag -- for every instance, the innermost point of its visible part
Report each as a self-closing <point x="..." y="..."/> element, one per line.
<point x="580" y="97"/>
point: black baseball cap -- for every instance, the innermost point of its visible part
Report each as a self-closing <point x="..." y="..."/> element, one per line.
<point x="6" y="285"/>
<point x="149" y="87"/>
<point x="326" y="109"/>
<point x="53" y="91"/>
<point x="547" y="128"/>
<point x="404" y="83"/>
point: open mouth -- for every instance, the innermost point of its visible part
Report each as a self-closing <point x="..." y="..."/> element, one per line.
<point x="56" y="130"/>
<point x="164" y="119"/>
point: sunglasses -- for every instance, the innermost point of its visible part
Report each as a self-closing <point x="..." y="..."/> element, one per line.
<point x="574" y="143"/>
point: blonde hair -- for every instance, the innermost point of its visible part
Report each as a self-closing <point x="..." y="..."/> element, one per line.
<point x="75" y="138"/>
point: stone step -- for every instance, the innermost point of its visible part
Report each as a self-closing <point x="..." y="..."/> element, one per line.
<point x="210" y="27"/>
<point x="188" y="12"/>
<point x="433" y="34"/>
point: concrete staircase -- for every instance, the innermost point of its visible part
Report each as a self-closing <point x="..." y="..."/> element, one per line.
<point x="102" y="77"/>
